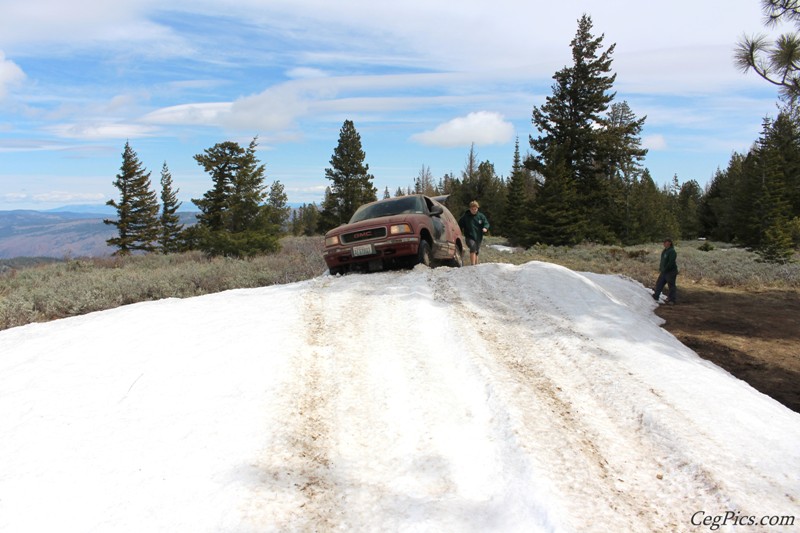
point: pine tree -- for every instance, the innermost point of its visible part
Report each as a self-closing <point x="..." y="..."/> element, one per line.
<point x="423" y="184"/>
<point x="329" y="215"/>
<point x="717" y="211"/>
<point x="571" y="122"/>
<point x="305" y="220"/>
<point x="277" y="206"/>
<point x="771" y="213"/>
<point x="233" y="220"/>
<point x="247" y="194"/>
<point x="777" y="62"/>
<point x="170" y="226"/>
<point x="516" y="199"/>
<point x="222" y="161"/>
<point x="553" y="217"/>
<point x="651" y="217"/>
<point x="351" y="181"/>
<point x="688" y="206"/>
<point x="137" y="208"/>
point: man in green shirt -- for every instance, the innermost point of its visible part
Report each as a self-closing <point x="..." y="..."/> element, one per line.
<point x="473" y="225"/>
<point x="668" y="272"/>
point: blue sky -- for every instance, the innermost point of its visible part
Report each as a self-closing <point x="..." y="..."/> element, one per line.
<point x="422" y="80"/>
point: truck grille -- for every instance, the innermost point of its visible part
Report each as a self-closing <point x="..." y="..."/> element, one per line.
<point x="363" y="235"/>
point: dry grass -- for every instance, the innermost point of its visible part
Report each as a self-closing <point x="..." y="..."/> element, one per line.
<point x="721" y="265"/>
<point x="78" y="286"/>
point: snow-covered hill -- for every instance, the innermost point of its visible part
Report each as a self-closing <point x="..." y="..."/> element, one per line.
<point x="490" y="398"/>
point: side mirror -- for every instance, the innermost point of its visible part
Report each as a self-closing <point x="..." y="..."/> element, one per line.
<point x="436" y="210"/>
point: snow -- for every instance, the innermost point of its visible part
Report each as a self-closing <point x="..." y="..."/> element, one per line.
<point x="488" y="398"/>
<point x="502" y="248"/>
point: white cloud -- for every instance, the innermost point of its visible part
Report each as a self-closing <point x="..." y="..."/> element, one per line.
<point x="68" y="197"/>
<point x="654" y="142"/>
<point x="10" y="74"/>
<point x="305" y="73"/>
<point x="49" y="197"/>
<point x="102" y="131"/>
<point x="481" y="128"/>
<point x="209" y="114"/>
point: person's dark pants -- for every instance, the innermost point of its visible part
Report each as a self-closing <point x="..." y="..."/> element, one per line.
<point x="474" y="246"/>
<point x="666" y="278"/>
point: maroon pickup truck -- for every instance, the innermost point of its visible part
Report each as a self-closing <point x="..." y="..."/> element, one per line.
<point x="401" y="231"/>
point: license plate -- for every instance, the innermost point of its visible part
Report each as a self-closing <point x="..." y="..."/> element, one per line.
<point x="364" y="249"/>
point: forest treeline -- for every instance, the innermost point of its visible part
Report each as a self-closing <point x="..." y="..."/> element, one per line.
<point x="582" y="180"/>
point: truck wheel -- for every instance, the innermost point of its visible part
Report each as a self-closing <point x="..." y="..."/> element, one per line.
<point x="458" y="258"/>
<point x="424" y="253"/>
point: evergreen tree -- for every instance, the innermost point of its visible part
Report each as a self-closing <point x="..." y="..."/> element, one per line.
<point x="329" y="215"/>
<point x="777" y="62"/>
<point x="137" y="208"/>
<point x="305" y="220"/>
<point x="553" y="217"/>
<point x="233" y="220"/>
<point x="571" y="123"/>
<point x="277" y="206"/>
<point x="689" y="198"/>
<point x="222" y="161"/>
<point x="619" y="159"/>
<point x="169" y="239"/>
<point x="245" y="204"/>
<point x="423" y="184"/>
<point x="351" y="182"/>
<point x="774" y="161"/>
<point x="516" y="199"/>
<point x="718" y="212"/>
<point x="651" y="217"/>
<point x="478" y="182"/>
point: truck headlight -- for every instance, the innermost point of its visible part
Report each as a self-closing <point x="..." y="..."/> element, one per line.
<point x="332" y="241"/>
<point x="399" y="229"/>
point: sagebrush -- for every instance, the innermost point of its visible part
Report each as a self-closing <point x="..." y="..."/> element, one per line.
<point x="78" y="286"/>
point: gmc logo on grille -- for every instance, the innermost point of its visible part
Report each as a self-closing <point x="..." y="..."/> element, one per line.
<point x="362" y="235"/>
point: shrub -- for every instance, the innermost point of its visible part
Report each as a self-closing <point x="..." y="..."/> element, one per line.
<point x="77" y="286"/>
<point x="80" y="286"/>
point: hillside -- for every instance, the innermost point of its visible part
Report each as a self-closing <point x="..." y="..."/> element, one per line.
<point x="58" y="234"/>
<point x="495" y="398"/>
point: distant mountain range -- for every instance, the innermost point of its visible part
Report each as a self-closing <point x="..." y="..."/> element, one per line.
<point x="73" y="231"/>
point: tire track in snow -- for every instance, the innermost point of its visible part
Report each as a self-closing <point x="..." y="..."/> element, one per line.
<point x="627" y="440"/>
<point x="297" y="491"/>
<point x="552" y="439"/>
<point x="544" y="422"/>
<point x="654" y="429"/>
<point x="356" y="414"/>
<point x="609" y="483"/>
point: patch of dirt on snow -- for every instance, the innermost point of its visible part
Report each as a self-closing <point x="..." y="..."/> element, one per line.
<point x="754" y="335"/>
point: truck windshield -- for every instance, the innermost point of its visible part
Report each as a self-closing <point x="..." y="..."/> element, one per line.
<point x="387" y="208"/>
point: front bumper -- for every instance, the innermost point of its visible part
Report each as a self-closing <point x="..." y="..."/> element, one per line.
<point x="388" y="249"/>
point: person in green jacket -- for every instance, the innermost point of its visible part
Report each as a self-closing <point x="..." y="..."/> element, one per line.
<point x="668" y="272"/>
<point x="473" y="225"/>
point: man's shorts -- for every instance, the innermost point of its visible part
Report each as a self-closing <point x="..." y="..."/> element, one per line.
<point x="474" y="246"/>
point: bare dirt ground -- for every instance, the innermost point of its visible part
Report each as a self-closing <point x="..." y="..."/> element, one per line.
<point x="754" y="335"/>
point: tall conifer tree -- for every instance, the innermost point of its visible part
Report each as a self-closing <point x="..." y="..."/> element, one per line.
<point x="351" y="182"/>
<point x="233" y="219"/>
<point x="137" y="207"/>
<point x="170" y="231"/>
<point x="570" y="122"/>
<point x="516" y="199"/>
